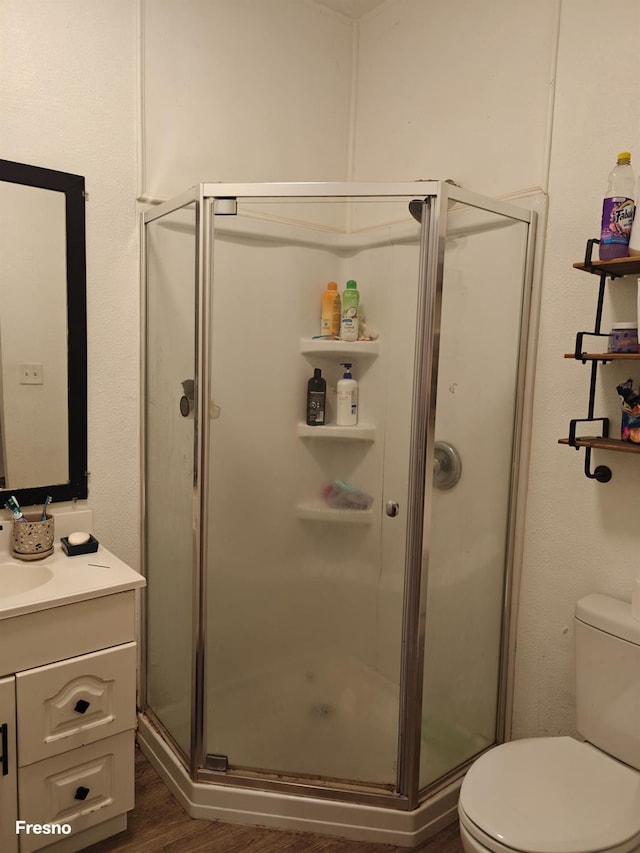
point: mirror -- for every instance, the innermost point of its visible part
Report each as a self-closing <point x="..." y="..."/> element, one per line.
<point x="43" y="335"/>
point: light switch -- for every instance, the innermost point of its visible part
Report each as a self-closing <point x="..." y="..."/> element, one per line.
<point x="30" y="374"/>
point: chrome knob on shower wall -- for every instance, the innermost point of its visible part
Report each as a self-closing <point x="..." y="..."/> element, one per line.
<point x="447" y="466"/>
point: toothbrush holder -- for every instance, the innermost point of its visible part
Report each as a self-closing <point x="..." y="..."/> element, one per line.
<point x="32" y="539"/>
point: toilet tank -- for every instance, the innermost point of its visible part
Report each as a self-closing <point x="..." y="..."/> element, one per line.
<point x="608" y="676"/>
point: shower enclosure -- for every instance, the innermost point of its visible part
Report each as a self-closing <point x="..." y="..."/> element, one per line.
<point x="308" y="666"/>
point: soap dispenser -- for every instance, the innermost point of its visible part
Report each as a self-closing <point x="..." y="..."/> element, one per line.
<point x="347" y="389"/>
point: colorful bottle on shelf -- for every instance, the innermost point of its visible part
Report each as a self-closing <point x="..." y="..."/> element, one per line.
<point x="316" y="399"/>
<point x="331" y="311"/>
<point x="347" y="388"/>
<point x="618" y="210"/>
<point x="350" y="311"/>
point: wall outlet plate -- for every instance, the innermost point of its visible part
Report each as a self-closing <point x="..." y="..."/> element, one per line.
<point x="30" y="374"/>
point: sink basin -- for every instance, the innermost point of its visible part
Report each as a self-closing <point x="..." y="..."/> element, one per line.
<point x="16" y="579"/>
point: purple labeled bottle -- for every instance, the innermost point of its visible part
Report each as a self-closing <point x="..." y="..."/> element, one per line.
<point x="618" y="210"/>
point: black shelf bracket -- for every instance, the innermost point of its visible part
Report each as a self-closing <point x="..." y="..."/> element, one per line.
<point x="601" y="473"/>
<point x="588" y="261"/>
<point x="579" y="347"/>
<point x="604" y="432"/>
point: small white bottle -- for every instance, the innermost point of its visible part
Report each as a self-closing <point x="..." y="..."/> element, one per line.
<point x="347" y="388"/>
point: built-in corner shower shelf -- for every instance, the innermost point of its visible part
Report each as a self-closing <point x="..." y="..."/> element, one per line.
<point x="359" y="432"/>
<point x="339" y="349"/>
<point x="318" y="511"/>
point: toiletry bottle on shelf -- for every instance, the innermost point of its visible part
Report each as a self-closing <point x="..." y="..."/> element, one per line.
<point x="634" y="237"/>
<point x="316" y="399"/>
<point x="618" y="210"/>
<point x="331" y="311"/>
<point x="347" y="389"/>
<point x="350" y="308"/>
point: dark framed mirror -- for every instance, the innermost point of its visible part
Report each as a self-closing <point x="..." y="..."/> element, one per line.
<point x="43" y="335"/>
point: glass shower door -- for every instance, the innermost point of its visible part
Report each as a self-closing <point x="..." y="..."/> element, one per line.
<point x="305" y="601"/>
<point x="170" y="318"/>
<point x="479" y="375"/>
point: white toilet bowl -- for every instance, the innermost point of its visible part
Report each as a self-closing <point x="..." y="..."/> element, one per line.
<point x="549" y="795"/>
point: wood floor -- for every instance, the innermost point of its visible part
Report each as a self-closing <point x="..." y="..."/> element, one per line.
<point x="158" y="824"/>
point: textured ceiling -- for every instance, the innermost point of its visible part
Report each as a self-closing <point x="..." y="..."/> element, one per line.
<point x="351" y="8"/>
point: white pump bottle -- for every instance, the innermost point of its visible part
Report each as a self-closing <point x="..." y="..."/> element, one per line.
<point x="347" y="388"/>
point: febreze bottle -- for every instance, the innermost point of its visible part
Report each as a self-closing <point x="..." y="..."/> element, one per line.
<point x="618" y="210"/>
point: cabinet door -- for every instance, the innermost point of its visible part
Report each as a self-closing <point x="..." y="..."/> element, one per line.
<point x="8" y="769"/>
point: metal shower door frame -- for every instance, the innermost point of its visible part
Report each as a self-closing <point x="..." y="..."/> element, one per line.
<point x="437" y="196"/>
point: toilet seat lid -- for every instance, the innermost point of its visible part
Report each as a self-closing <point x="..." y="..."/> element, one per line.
<point x="552" y="795"/>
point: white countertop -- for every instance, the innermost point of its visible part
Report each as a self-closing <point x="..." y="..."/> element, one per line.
<point x="26" y="587"/>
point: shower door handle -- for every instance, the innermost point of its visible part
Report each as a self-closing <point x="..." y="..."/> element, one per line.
<point x="392" y="509"/>
<point x="187" y="400"/>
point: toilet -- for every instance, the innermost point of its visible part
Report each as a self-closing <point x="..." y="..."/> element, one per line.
<point x="561" y="794"/>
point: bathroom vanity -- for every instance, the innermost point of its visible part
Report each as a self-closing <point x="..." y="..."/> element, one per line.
<point x="67" y="696"/>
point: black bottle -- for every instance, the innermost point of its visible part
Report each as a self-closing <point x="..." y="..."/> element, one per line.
<point x="316" y="399"/>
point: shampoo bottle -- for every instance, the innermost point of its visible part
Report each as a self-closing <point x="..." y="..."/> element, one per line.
<point x="347" y="389"/>
<point x="331" y="311"/>
<point x="350" y="310"/>
<point x="316" y="399"/>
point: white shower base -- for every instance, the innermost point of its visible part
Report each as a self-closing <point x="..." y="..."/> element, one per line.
<point x="295" y="813"/>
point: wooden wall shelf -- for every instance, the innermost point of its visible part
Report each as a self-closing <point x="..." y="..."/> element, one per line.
<point x="603" y="356"/>
<point x="616" y="267"/>
<point x="598" y="443"/>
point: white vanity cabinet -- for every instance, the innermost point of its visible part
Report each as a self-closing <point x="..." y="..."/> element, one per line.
<point x="68" y="711"/>
<point x="8" y="770"/>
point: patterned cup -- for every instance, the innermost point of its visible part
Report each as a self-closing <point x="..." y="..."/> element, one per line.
<point x="32" y="539"/>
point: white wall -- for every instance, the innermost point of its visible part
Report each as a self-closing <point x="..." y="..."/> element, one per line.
<point x="457" y="92"/>
<point x="239" y="90"/>
<point x="460" y="91"/>
<point x="581" y="536"/>
<point x="67" y="95"/>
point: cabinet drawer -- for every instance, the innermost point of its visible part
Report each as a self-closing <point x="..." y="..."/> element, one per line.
<point x="69" y="704"/>
<point x="81" y="788"/>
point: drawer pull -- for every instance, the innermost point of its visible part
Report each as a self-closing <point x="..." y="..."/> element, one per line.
<point x="81" y="706"/>
<point x="81" y="793"/>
